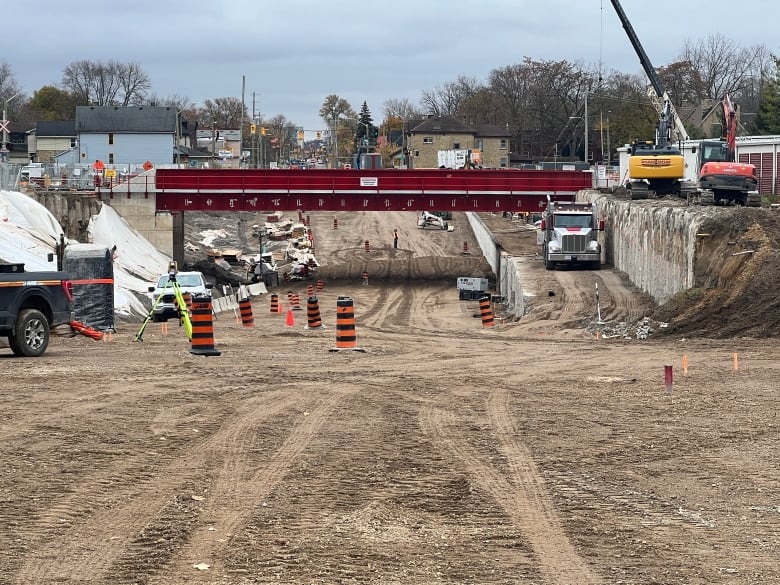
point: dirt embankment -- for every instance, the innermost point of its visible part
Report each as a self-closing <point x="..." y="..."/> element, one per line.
<point x="736" y="294"/>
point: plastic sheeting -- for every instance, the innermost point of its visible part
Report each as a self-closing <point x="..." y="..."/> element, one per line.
<point x="91" y="269"/>
<point x="29" y="233"/>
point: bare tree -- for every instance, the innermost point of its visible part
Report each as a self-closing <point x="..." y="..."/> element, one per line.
<point x="133" y="83"/>
<point x="10" y="88"/>
<point x="224" y="113"/>
<point x="106" y="84"/>
<point x="447" y="99"/>
<point x="400" y="109"/>
<point x="535" y="100"/>
<point x="722" y="65"/>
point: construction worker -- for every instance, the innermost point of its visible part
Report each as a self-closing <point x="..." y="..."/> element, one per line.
<point x="395" y="238"/>
<point x="365" y="278"/>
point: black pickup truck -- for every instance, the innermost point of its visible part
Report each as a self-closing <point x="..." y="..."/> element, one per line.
<point x="31" y="303"/>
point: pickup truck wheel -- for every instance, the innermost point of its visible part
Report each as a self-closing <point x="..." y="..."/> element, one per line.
<point x="30" y="337"/>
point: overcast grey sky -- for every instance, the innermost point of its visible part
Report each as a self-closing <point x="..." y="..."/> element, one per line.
<point x="296" y="53"/>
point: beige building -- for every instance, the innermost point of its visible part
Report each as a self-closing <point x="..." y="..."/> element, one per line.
<point x="50" y="139"/>
<point x="444" y="133"/>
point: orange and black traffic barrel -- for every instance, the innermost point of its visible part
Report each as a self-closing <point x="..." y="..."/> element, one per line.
<point x="486" y="312"/>
<point x="313" y="319"/>
<point x="274" y="303"/>
<point x="202" y="326"/>
<point x="346" y="337"/>
<point x="245" y="308"/>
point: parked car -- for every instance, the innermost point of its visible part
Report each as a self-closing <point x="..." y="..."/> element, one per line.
<point x="164" y="293"/>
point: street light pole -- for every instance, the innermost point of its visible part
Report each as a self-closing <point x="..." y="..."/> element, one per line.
<point x="3" y="148"/>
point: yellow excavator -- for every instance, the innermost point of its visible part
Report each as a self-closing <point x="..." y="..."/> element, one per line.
<point x="656" y="167"/>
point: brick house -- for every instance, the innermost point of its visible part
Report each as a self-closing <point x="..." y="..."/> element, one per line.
<point x="433" y="134"/>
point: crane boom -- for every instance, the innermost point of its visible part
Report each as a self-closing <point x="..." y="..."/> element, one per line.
<point x="668" y="117"/>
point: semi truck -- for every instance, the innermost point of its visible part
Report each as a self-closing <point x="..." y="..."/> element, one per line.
<point x="569" y="235"/>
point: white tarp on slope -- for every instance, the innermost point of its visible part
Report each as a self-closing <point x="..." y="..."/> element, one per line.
<point x="28" y="233"/>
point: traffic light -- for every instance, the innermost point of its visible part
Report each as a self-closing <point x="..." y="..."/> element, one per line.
<point x="319" y="135"/>
<point x="252" y="128"/>
<point x="263" y="130"/>
<point x="300" y="134"/>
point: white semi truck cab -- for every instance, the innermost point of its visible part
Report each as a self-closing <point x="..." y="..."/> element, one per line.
<point x="569" y="234"/>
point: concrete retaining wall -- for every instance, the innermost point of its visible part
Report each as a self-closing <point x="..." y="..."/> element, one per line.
<point x="654" y="246"/>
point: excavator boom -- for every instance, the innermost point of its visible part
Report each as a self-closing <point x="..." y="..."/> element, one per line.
<point x="669" y="122"/>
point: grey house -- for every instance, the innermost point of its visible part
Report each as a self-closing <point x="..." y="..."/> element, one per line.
<point x="126" y="135"/>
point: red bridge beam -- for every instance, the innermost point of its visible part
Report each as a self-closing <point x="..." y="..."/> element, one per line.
<point x="363" y="190"/>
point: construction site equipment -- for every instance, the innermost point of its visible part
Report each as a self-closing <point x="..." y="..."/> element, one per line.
<point x="471" y="289"/>
<point x="658" y="168"/>
<point x="177" y="301"/>
<point x="427" y="219"/>
<point x="569" y="235"/>
<point x="722" y="180"/>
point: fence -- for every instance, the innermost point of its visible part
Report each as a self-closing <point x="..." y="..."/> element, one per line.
<point x="64" y="177"/>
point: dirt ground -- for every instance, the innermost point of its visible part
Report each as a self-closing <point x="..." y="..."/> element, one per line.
<point x="540" y="451"/>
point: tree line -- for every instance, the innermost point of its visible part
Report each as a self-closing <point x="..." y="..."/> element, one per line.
<point x="541" y="103"/>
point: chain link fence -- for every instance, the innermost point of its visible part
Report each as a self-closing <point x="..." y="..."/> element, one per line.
<point x="60" y="177"/>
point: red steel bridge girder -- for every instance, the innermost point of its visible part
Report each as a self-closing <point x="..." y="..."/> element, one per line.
<point x="364" y="190"/>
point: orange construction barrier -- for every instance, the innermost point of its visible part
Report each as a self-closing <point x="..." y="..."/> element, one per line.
<point x="79" y="327"/>
<point x="486" y="312"/>
<point x="245" y="308"/>
<point x="320" y="284"/>
<point x="310" y="290"/>
<point x="465" y="247"/>
<point x="296" y="302"/>
<point x="274" y="303"/>
<point x="202" y="326"/>
<point x="368" y="248"/>
<point x="345" y="325"/>
<point x="335" y="223"/>
<point x="314" y="321"/>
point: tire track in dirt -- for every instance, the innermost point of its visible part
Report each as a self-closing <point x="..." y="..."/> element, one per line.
<point x="522" y="496"/>
<point x="626" y="305"/>
<point x="235" y="497"/>
<point x="90" y="556"/>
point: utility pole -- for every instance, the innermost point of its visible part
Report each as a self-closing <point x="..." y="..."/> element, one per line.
<point x="586" y="129"/>
<point x="241" y="127"/>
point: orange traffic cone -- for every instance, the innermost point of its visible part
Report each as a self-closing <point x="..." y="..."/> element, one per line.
<point x="290" y="318"/>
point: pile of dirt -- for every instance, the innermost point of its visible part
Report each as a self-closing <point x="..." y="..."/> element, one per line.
<point x="736" y="267"/>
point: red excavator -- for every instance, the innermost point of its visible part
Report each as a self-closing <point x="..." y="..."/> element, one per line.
<point x="722" y="180"/>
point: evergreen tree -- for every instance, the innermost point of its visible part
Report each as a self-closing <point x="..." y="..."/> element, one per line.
<point x="365" y="130"/>
<point x="768" y="115"/>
